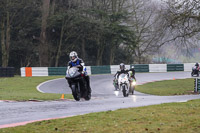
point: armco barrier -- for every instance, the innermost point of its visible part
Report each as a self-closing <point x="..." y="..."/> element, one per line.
<point x="7" y="71"/>
<point x="34" y="71"/>
<point x="188" y="67"/>
<point x="54" y="71"/>
<point x="197" y="85"/>
<point x="175" y="67"/>
<point x="88" y="69"/>
<point x="40" y="71"/>
<point x="141" y="68"/>
<point x="157" y="67"/>
<point x="115" y="68"/>
<point x="23" y="72"/>
<point x="100" y="70"/>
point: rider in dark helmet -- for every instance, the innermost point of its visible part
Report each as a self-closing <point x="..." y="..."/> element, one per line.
<point x="75" y="61"/>
<point x="132" y="72"/>
<point x="197" y="64"/>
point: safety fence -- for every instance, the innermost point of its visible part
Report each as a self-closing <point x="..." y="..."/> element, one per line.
<point x="197" y="85"/>
<point x="7" y="71"/>
<point x="109" y="69"/>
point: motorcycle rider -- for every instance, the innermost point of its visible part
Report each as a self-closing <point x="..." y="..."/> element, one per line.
<point x="132" y="70"/>
<point x="197" y="65"/>
<point x="196" y="68"/>
<point x="122" y="70"/>
<point x="77" y="62"/>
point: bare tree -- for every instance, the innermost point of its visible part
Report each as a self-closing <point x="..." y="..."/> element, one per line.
<point x="146" y="21"/>
<point x="182" y="19"/>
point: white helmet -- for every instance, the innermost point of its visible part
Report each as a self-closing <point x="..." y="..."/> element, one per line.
<point x="122" y="66"/>
<point x="73" y="56"/>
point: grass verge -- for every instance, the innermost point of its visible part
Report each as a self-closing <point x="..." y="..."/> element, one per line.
<point x="168" y="87"/>
<point x="165" y="118"/>
<point x="24" y="88"/>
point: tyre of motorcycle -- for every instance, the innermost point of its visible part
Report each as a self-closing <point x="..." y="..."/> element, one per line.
<point x="87" y="93"/>
<point x="88" y="96"/>
<point x="124" y="90"/>
<point x="132" y="88"/>
<point x="76" y="91"/>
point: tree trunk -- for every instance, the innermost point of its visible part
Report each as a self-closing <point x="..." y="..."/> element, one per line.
<point x="83" y="48"/>
<point x="5" y="40"/>
<point x="99" y="53"/>
<point x="60" y="45"/>
<point x="53" y="7"/>
<point x="43" y="49"/>
<point x="3" y="48"/>
<point x="112" y="57"/>
<point x="99" y="56"/>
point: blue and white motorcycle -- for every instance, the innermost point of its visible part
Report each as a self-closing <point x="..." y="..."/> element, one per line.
<point x="79" y="86"/>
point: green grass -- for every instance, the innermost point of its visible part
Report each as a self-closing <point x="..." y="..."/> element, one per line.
<point x="168" y="87"/>
<point x="165" y="118"/>
<point x="24" y="88"/>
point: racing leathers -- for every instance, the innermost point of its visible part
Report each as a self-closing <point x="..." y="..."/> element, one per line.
<point x="116" y="76"/>
<point x="132" y="74"/>
<point x="79" y="64"/>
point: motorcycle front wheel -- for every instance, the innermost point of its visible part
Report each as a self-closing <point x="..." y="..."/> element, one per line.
<point x="192" y="74"/>
<point x="132" y="88"/>
<point x="125" y="94"/>
<point x="76" y="92"/>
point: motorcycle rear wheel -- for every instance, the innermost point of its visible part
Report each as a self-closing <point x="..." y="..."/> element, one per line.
<point x="88" y="97"/>
<point x="87" y="93"/>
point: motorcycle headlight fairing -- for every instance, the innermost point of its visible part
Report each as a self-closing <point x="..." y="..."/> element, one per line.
<point x="71" y="73"/>
<point x="133" y="83"/>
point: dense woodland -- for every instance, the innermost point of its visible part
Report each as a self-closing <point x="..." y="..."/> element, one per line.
<point x="102" y="32"/>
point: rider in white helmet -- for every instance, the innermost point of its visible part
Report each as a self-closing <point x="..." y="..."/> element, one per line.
<point x="75" y="61"/>
<point x="122" y="70"/>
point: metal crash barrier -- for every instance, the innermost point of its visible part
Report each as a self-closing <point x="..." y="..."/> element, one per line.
<point x="197" y="85"/>
<point x="7" y="71"/>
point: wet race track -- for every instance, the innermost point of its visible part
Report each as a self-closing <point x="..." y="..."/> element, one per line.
<point x="103" y="99"/>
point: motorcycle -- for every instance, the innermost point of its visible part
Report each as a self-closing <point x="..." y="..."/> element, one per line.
<point x="132" y="85"/>
<point x="79" y="86"/>
<point x="123" y="82"/>
<point x="195" y="71"/>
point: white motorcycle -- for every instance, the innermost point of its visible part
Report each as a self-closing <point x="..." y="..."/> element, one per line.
<point x="123" y="83"/>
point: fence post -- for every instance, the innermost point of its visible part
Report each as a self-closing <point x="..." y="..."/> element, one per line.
<point x="195" y="85"/>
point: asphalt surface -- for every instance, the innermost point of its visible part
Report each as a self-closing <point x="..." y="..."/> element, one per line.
<point x="103" y="99"/>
